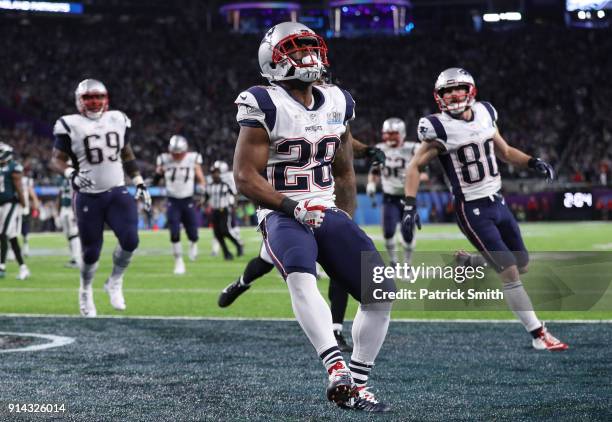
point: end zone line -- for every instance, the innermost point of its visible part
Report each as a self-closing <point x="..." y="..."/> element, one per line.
<point x="402" y="320"/>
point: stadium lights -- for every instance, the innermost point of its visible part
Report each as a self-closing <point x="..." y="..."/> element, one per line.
<point x="41" y="6"/>
<point x="582" y="14"/>
<point x="496" y="17"/>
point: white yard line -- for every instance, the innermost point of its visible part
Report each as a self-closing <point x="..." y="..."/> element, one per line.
<point x="402" y="320"/>
<point x="170" y="291"/>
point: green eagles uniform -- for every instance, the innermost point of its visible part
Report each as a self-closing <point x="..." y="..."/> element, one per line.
<point x="8" y="192"/>
<point x="66" y="194"/>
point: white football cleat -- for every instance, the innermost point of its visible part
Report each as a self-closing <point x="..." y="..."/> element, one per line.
<point x="24" y="272"/>
<point x="193" y="251"/>
<point x="86" y="303"/>
<point x="547" y="341"/>
<point x="179" y="266"/>
<point x="366" y="401"/>
<point x="114" y="288"/>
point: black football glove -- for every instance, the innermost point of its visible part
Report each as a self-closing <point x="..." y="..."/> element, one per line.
<point x="376" y="155"/>
<point x="543" y="168"/>
<point x="410" y="219"/>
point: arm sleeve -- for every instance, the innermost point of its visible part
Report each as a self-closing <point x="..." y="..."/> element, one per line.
<point x="349" y="112"/>
<point x="430" y="129"/>
<point x="126" y="136"/>
<point x="256" y="109"/>
<point x="61" y="127"/>
<point x="63" y="143"/>
<point x="128" y="122"/>
<point x="492" y="112"/>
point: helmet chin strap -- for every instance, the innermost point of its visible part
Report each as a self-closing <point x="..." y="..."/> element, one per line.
<point x="311" y="73"/>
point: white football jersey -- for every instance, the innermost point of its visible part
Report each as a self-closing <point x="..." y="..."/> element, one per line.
<point x="394" y="170"/>
<point x="179" y="175"/>
<point x="303" y="141"/>
<point x="26" y="184"/>
<point x="96" y="146"/>
<point x="469" y="156"/>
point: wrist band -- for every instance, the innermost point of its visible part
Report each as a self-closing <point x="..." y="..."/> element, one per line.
<point x="288" y="205"/>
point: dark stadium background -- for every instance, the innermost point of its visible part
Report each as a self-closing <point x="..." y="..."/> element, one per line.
<point x="176" y="67"/>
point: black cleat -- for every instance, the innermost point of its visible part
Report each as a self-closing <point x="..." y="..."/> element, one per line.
<point x="365" y="401"/>
<point x="240" y="250"/>
<point x="342" y="344"/>
<point x="340" y="387"/>
<point x="228" y="256"/>
<point x="231" y="293"/>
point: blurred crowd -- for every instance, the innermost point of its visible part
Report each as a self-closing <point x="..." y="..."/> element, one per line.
<point x="549" y="85"/>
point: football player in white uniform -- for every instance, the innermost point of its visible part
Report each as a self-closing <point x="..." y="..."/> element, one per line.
<point x="291" y="134"/>
<point x="96" y="142"/>
<point x="398" y="153"/>
<point x="465" y="138"/>
<point x="182" y="171"/>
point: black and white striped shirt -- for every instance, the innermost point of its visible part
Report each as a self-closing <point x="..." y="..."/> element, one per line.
<point x="219" y="195"/>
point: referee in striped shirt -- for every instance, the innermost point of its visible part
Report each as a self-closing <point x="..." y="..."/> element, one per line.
<point x="220" y="196"/>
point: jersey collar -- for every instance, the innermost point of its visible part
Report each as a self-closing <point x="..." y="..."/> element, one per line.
<point x="319" y="98"/>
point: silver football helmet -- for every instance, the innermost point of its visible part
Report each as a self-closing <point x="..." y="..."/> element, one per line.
<point x="6" y="153"/>
<point x="394" y="125"/>
<point x="177" y="145"/>
<point x="450" y="78"/>
<point x="91" y="98"/>
<point x="221" y="165"/>
<point x="291" y="50"/>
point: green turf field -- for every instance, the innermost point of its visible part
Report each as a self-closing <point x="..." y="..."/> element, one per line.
<point x="233" y="369"/>
<point x="151" y="288"/>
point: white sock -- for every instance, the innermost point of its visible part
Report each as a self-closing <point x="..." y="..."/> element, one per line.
<point x="408" y="249"/>
<point x="177" y="249"/>
<point x="311" y="311"/>
<point x="369" y="331"/>
<point x="88" y="271"/>
<point x="520" y="304"/>
<point x="75" y="249"/>
<point x="391" y="250"/>
<point x="215" y="247"/>
<point x="194" y="247"/>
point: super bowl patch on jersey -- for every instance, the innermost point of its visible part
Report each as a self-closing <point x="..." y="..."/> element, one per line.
<point x="334" y="118"/>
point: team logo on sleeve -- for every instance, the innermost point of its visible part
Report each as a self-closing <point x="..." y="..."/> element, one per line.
<point x="246" y="109"/>
<point x="423" y="130"/>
